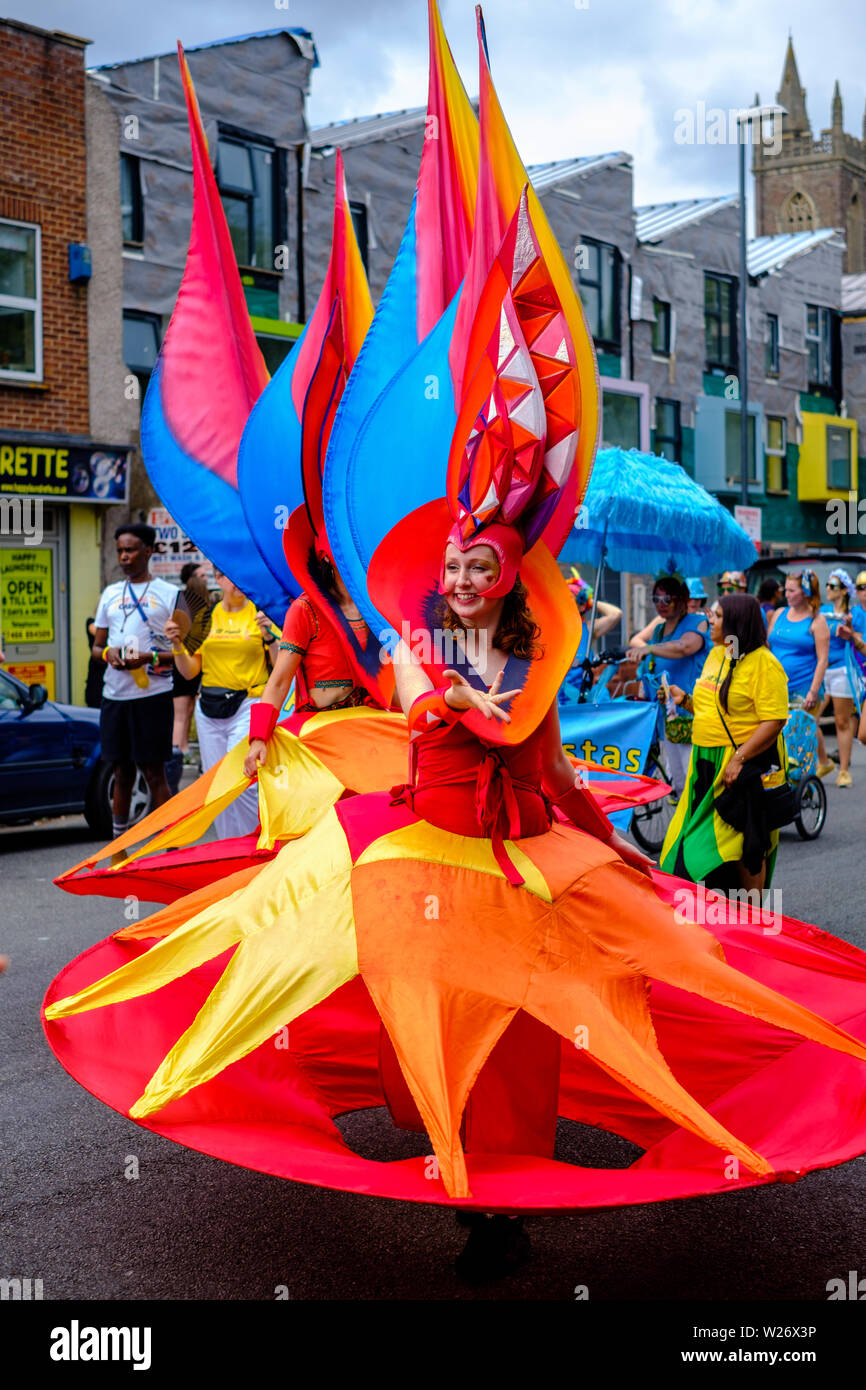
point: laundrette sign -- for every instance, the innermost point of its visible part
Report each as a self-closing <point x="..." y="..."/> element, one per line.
<point x="78" y="473"/>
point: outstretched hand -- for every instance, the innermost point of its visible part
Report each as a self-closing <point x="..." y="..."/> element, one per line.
<point x="463" y="696"/>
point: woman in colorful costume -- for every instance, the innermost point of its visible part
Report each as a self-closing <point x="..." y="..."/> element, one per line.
<point x="484" y="908"/>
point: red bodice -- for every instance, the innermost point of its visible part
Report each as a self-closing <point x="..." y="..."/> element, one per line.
<point x="463" y="784"/>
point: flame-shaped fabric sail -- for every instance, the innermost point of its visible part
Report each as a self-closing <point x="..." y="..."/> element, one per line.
<point x="282" y="451"/>
<point x="516" y="435"/>
<point x="512" y="460"/>
<point x="425" y="396"/>
<point x="208" y="375"/>
<point x="426" y="275"/>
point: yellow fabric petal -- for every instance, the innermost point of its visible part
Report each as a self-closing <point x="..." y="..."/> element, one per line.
<point x="297" y="945"/>
<point x="326" y="717"/>
<point x="426" y="842"/>
<point x="295" y="788"/>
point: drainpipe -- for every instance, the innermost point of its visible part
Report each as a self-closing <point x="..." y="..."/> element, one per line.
<point x="302" y="293"/>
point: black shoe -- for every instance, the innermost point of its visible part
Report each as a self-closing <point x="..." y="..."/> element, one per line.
<point x="497" y="1245"/>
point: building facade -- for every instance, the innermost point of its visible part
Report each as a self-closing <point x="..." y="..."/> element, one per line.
<point x="65" y="432"/>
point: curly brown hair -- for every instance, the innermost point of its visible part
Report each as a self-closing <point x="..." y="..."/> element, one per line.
<point x="517" y="633"/>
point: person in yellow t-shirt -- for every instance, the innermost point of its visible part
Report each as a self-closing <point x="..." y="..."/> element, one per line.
<point x="740" y="707"/>
<point x="234" y="660"/>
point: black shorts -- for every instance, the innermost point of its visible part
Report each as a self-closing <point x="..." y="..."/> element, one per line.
<point x="137" y="731"/>
<point x="182" y="686"/>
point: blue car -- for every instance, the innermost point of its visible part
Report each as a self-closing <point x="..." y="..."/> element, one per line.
<point x="50" y="762"/>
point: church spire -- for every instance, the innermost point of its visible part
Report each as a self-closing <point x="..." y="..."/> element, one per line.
<point x="837" y="107"/>
<point x="792" y="95"/>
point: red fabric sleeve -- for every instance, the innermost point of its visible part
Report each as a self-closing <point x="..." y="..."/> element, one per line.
<point x="583" y="810"/>
<point x="299" y="627"/>
<point x="433" y="702"/>
<point x="263" y="717"/>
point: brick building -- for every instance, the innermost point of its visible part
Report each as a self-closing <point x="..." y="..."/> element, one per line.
<point x="64" y="436"/>
<point x="812" y="182"/>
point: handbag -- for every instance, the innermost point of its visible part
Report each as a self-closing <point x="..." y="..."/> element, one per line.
<point x="780" y="803"/>
<point x="215" y="702"/>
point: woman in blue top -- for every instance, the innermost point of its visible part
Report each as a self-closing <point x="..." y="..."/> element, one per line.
<point x="840" y="614"/>
<point x="675" y="643"/>
<point x="799" y="638"/>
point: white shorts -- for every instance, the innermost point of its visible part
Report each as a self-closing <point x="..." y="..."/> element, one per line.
<point x="836" y="682"/>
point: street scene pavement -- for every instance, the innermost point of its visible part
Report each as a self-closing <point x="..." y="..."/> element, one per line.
<point x="96" y="1207"/>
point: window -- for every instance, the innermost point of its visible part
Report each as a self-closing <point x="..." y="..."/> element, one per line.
<point x="20" y="302"/>
<point x="733" y="472"/>
<point x="775" y="451"/>
<point x="131" y="205"/>
<point x="820" y="345"/>
<point x="798" y="213"/>
<point x="771" y="346"/>
<point x="275" y="349"/>
<point x="838" y="458"/>
<point x="140" y="344"/>
<point x="598" y="283"/>
<point x="620" y="420"/>
<point x="247" y="178"/>
<point x="720" y="322"/>
<point x="359" y="222"/>
<point x="662" y="328"/>
<point x="668" y="434"/>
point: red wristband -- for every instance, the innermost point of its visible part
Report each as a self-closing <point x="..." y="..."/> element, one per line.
<point x="263" y="717"/>
<point x="582" y="809"/>
<point x="433" y="702"/>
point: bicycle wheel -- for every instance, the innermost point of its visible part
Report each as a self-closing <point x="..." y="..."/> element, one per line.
<point x="650" y="822"/>
<point x="811" y="808"/>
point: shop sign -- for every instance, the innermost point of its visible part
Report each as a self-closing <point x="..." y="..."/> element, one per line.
<point x="92" y="473"/>
<point x="33" y="673"/>
<point x="173" y="548"/>
<point x="26" y="595"/>
<point x="750" y="520"/>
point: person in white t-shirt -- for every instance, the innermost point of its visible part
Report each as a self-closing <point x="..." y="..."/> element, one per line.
<point x="137" y="712"/>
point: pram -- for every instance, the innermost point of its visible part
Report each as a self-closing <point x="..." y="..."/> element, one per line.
<point x="801" y="744"/>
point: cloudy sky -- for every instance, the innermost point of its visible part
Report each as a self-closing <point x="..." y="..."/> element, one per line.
<point x="575" y="77"/>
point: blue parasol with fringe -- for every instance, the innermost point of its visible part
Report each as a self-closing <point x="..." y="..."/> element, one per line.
<point x="645" y="514"/>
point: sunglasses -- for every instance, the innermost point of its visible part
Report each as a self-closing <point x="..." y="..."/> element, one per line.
<point x="661" y="599"/>
<point x="834" y="585"/>
<point x="861" y="588"/>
